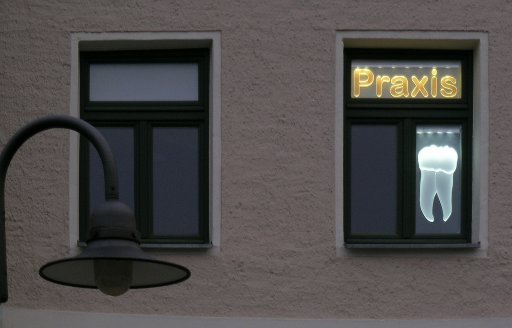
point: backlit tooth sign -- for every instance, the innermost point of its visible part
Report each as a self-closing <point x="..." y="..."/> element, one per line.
<point x="437" y="165"/>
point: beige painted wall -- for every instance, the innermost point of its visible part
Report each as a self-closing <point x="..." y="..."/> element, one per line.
<point x="277" y="255"/>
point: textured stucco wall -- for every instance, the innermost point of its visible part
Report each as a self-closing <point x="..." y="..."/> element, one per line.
<point x="277" y="256"/>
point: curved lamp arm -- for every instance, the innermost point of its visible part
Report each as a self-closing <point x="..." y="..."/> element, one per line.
<point x="39" y="125"/>
<point x="113" y="261"/>
<point x="70" y="123"/>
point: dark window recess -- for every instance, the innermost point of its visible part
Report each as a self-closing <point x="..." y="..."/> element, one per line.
<point x="153" y="108"/>
<point x="407" y="146"/>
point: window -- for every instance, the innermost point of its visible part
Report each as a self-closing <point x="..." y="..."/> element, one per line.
<point x="153" y="108"/>
<point x="407" y="146"/>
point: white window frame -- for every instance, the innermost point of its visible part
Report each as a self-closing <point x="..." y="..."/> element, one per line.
<point x="475" y="41"/>
<point x="85" y="41"/>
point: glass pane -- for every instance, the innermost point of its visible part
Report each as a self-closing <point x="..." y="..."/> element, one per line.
<point x="176" y="181"/>
<point x="380" y="79"/>
<point x="120" y="140"/>
<point x="373" y="187"/>
<point x="438" y="180"/>
<point x="143" y="82"/>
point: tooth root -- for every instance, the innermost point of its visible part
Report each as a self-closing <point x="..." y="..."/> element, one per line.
<point x="427" y="193"/>
<point x="444" y="185"/>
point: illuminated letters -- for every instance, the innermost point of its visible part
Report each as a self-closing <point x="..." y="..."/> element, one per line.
<point x="399" y="86"/>
<point x="419" y="86"/>
<point x="380" y="81"/>
<point x="433" y="83"/>
<point x="387" y="81"/>
<point x="448" y="88"/>
<point x="358" y="83"/>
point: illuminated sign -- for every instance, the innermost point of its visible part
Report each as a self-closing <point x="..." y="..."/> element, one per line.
<point x="437" y="165"/>
<point x="381" y="79"/>
<point x="438" y="150"/>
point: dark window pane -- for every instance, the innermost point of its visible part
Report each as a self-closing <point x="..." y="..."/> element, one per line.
<point x="176" y="181"/>
<point x="373" y="187"/>
<point x="438" y="180"/>
<point x="120" y="140"/>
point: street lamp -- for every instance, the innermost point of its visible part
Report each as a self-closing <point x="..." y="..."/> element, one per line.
<point x="113" y="261"/>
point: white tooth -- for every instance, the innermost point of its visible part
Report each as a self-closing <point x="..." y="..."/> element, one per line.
<point x="437" y="165"/>
<point x="427" y="193"/>
<point x="444" y="184"/>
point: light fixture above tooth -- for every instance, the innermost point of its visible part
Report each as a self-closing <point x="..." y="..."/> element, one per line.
<point x="437" y="130"/>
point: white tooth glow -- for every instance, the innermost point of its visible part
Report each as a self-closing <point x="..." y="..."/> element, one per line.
<point x="437" y="165"/>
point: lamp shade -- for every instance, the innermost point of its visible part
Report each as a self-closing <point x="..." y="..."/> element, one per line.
<point x="113" y="260"/>
<point x="82" y="270"/>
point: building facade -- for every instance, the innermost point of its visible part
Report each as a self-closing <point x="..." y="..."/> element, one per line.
<point x="254" y="157"/>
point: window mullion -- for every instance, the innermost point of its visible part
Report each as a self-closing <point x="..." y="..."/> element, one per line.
<point x="143" y="153"/>
<point x="409" y="179"/>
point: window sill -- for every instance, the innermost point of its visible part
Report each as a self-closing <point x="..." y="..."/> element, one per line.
<point x="414" y="246"/>
<point x="148" y="246"/>
<point x="176" y="246"/>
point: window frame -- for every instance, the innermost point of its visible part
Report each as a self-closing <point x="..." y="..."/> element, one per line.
<point x="446" y="112"/>
<point x="142" y="115"/>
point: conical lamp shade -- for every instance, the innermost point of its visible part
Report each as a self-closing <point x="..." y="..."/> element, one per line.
<point x="113" y="260"/>
<point x="146" y="272"/>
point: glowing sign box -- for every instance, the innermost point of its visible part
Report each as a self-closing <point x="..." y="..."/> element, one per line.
<point x="387" y="79"/>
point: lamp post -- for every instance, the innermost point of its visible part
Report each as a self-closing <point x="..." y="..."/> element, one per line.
<point x="113" y="261"/>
